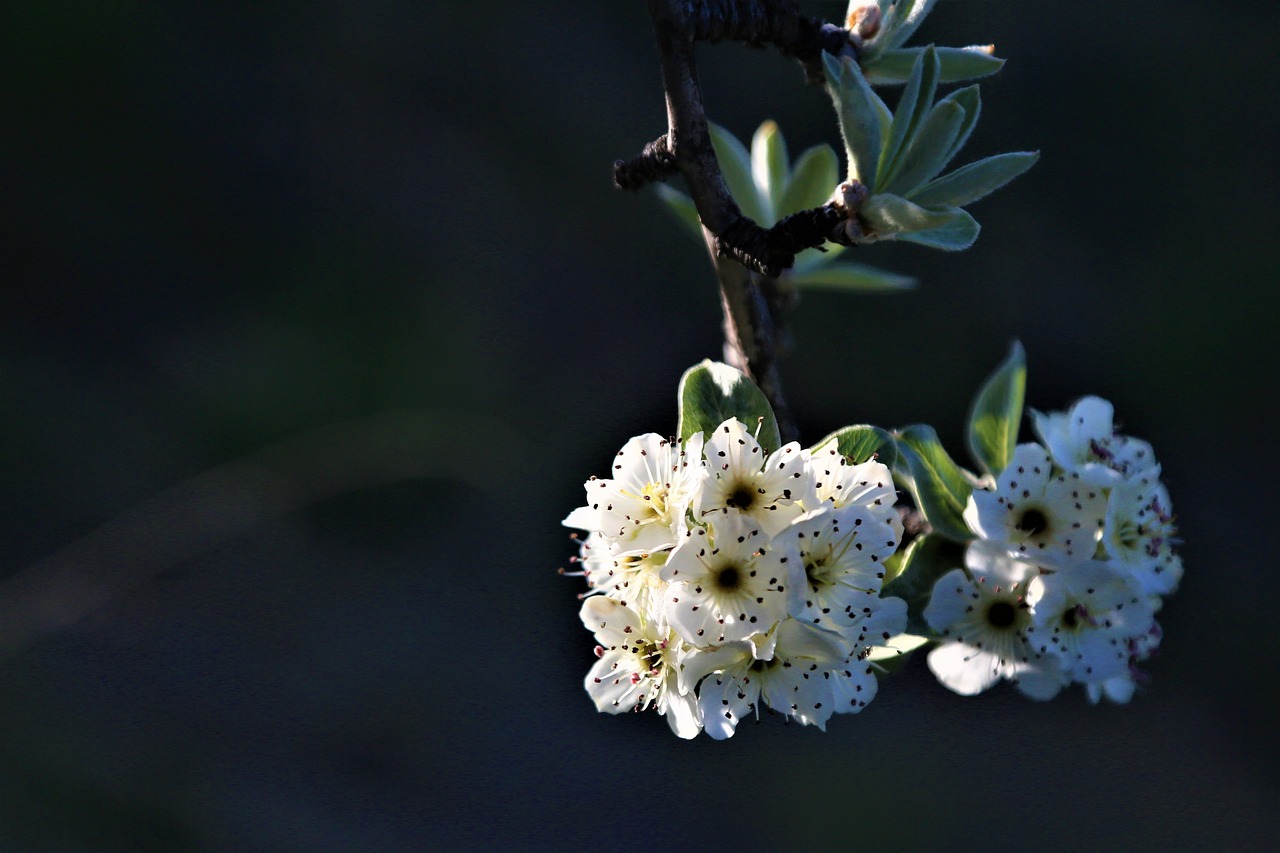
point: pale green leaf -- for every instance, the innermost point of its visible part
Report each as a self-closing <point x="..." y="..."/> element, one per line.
<point x="813" y="180"/>
<point x="893" y="67"/>
<point x="975" y="180"/>
<point x="682" y="208"/>
<point x="971" y="102"/>
<point x="909" y="115"/>
<point x="958" y="231"/>
<point x="904" y="28"/>
<point x="938" y="485"/>
<point x="735" y="166"/>
<point x="862" y="442"/>
<point x="890" y="215"/>
<point x="712" y="392"/>
<point x="996" y="413"/>
<point x="930" y="150"/>
<point x="851" y="277"/>
<point x="863" y="117"/>
<point x="770" y="169"/>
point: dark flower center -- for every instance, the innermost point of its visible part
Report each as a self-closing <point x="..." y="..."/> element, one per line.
<point x="1001" y="614"/>
<point x="728" y="578"/>
<point x="1033" y="522"/>
<point x="741" y="498"/>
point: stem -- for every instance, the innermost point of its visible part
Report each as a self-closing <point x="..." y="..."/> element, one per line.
<point x="747" y="258"/>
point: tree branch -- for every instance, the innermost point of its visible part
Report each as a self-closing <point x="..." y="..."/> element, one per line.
<point x="747" y="257"/>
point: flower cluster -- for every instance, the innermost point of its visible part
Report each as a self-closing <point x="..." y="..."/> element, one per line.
<point x="724" y="579"/>
<point x="1075" y="551"/>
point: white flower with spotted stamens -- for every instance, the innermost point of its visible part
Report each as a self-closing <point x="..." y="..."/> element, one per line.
<point x="983" y="617"/>
<point x="1084" y="616"/>
<point x="742" y="482"/>
<point x="637" y="667"/>
<point x="842" y="552"/>
<point x="727" y="581"/>
<point x="1084" y="441"/>
<point x="839" y="482"/>
<point x="634" y="579"/>
<point x="1038" y="512"/>
<point x="786" y="671"/>
<point x="1120" y="688"/>
<point x="1140" y="535"/>
<point x="641" y="507"/>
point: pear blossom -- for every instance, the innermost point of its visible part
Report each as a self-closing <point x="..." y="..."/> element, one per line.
<point x="637" y="666"/>
<point x="642" y="506"/>
<point x="1084" y="441"/>
<point x="1140" y="535"/>
<point x="1084" y="616"/>
<point x="1039" y="512"/>
<point x="839" y="482"/>
<point x="728" y="581"/>
<point x="785" y="669"/>
<point x="741" y="481"/>
<point x="1120" y="688"/>
<point x="842" y="552"/>
<point x="983" y="618"/>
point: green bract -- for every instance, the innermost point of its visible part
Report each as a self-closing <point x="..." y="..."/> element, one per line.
<point x="899" y="156"/>
<point x="996" y="413"/>
<point x="712" y="392"/>
<point x="939" y="486"/>
<point x="767" y="187"/>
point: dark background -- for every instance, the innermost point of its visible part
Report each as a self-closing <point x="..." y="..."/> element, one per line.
<point x="364" y="263"/>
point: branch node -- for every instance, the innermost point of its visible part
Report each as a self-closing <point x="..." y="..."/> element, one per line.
<point x="656" y="162"/>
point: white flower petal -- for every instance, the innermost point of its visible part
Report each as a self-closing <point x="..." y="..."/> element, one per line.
<point x="964" y="669"/>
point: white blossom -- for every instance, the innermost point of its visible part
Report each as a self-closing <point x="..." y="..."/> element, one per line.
<point x="1038" y="512"/>
<point x="1084" y="441"/>
<point x="641" y="507"/>
<point x="786" y="670"/>
<point x="1140" y="535"/>
<point x="983" y="617"/>
<point x="741" y="482"/>
<point x="637" y="666"/>
<point x="1085" y="615"/>
<point x="839" y="482"/>
<point x="728" y="581"/>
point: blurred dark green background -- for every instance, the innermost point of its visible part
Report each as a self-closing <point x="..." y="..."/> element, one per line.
<point x="373" y="249"/>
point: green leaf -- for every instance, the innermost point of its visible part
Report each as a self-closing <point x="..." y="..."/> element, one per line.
<point x="996" y="413"/>
<point x="909" y="115"/>
<point x="970" y="101"/>
<point x="813" y="180"/>
<point x="861" y="442"/>
<point x="770" y="168"/>
<point x="735" y="166"/>
<point x="938" y="485"/>
<point x="682" y="208"/>
<point x="906" y="27"/>
<point x="958" y="232"/>
<point x="931" y="149"/>
<point x="968" y="63"/>
<point x="863" y="117"/>
<point x="852" y="277"/>
<point x="927" y="558"/>
<point x="975" y="180"/>
<point x="893" y="67"/>
<point x="712" y="392"/>
<point x="893" y="217"/>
